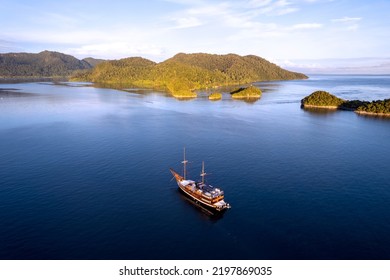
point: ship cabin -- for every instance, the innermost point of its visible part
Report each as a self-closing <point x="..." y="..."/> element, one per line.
<point x="202" y="191"/>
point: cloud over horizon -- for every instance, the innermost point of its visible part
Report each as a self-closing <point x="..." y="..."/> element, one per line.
<point x="364" y="65"/>
<point x="157" y="29"/>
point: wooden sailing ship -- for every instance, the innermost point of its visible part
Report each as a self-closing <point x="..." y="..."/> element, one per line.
<point x="202" y="193"/>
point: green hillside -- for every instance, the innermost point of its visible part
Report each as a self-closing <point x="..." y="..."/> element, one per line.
<point x="122" y="71"/>
<point x="183" y="74"/>
<point x="238" y="69"/>
<point x="43" y="64"/>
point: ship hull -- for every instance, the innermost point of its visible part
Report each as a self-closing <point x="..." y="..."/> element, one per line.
<point x="214" y="215"/>
<point x="208" y="206"/>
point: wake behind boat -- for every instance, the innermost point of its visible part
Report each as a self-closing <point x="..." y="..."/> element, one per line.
<point x="200" y="192"/>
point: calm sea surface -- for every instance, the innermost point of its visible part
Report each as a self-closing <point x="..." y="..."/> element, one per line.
<point x="84" y="174"/>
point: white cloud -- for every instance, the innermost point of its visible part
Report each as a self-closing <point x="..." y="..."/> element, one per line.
<point x="196" y="15"/>
<point x="303" y="26"/>
<point x="186" y="22"/>
<point x="286" y="11"/>
<point x="242" y="18"/>
<point x="272" y="7"/>
<point x="110" y="42"/>
<point x="204" y="12"/>
<point x="122" y="49"/>
<point x="210" y="9"/>
<point x="338" y="66"/>
<point x="259" y="3"/>
<point x="271" y="30"/>
<point x="282" y="3"/>
<point x="349" y="23"/>
<point x="347" y="19"/>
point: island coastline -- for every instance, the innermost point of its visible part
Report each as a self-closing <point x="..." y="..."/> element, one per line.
<point x="327" y="101"/>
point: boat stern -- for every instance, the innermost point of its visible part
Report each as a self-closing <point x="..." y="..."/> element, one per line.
<point x="222" y="205"/>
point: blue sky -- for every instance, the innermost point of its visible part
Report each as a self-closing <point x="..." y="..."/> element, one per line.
<point x="315" y="35"/>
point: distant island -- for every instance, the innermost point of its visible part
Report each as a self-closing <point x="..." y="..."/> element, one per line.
<point x="250" y="92"/>
<point x="45" y="64"/>
<point x="326" y="100"/>
<point x="184" y="74"/>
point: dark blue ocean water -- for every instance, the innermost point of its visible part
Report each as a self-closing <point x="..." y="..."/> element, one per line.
<point x="84" y="174"/>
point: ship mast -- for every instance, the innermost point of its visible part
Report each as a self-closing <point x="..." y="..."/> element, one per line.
<point x="184" y="162"/>
<point x="203" y="173"/>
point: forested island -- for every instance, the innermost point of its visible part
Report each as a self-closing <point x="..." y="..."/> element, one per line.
<point x="324" y="99"/>
<point x="183" y="74"/>
<point x="46" y="64"/>
<point x="250" y="92"/>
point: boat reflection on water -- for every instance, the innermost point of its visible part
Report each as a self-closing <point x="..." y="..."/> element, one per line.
<point x="206" y="213"/>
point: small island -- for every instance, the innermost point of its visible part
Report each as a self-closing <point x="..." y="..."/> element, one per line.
<point x="250" y="92"/>
<point x="215" y="96"/>
<point x="323" y="99"/>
